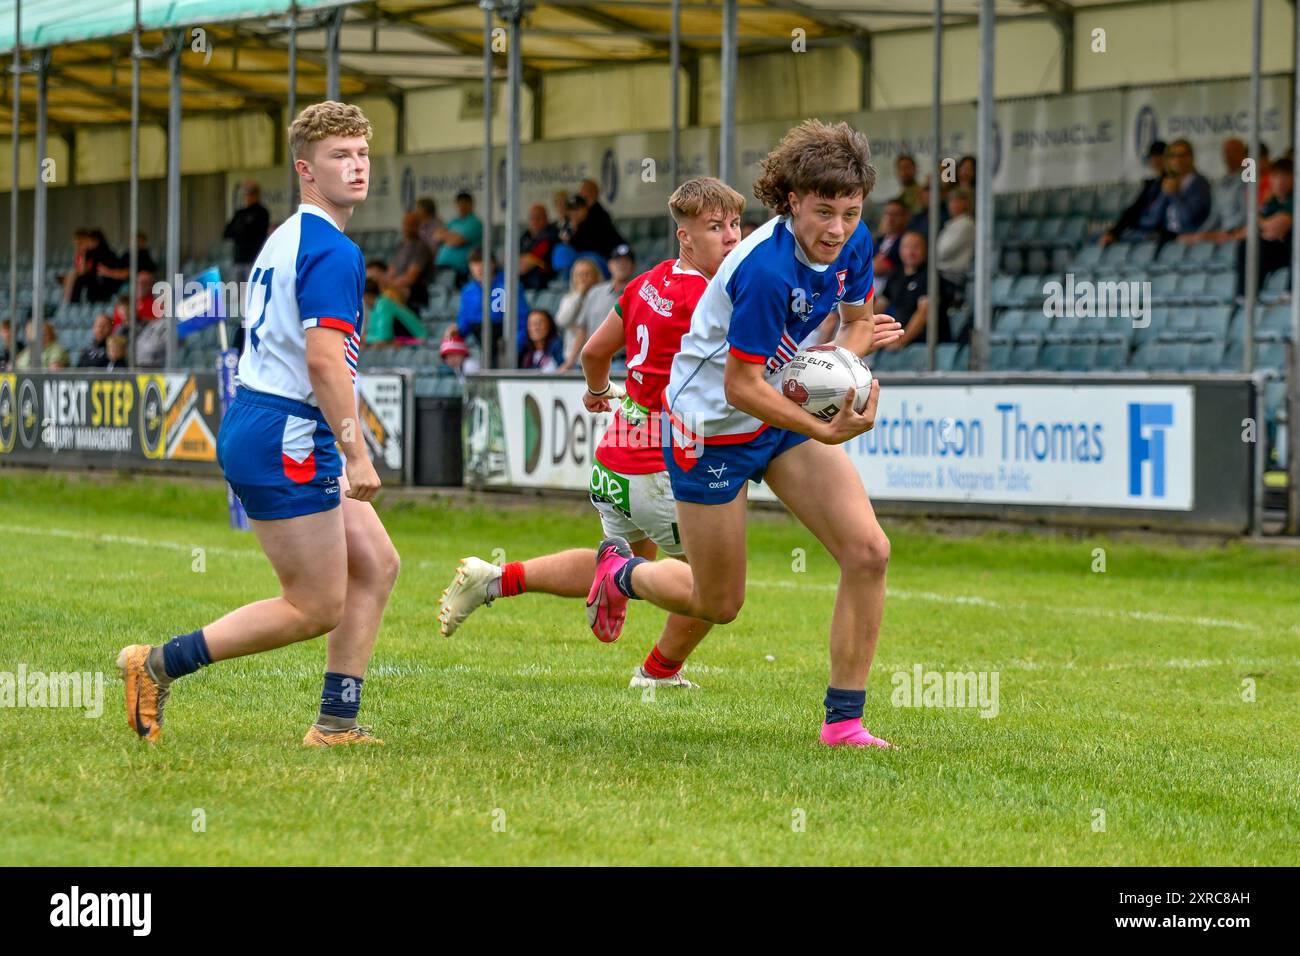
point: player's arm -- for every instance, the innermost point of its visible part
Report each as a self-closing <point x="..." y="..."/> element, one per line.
<point x="748" y="390"/>
<point x="597" y="355"/>
<point x="331" y="381"/>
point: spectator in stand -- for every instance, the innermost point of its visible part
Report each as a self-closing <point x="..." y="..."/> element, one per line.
<point x="905" y="296"/>
<point x="921" y="221"/>
<point x="597" y="215"/>
<point x="95" y="355"/>
<point x="545" y="349"/>
<point x="1141" y="217"/>
<point x="469" y="318"/>
<point x="956" y="244"/>
<point x="1274" y="226"/>
<point x="411" y="270"/>
<point x="454" y="352"/>
<point x="1227" y="200"/>
<point x="1184" y="202"/>
<point x="6" y="343"/>
<point x="247" y="230"/>
<point x="585" y="234"/>
<point x="1265" y="172"/>
<point x="147" y="307"/>
<point x="583" y="277"/>
<point x="459" y="238"/>
<point x="747" y="227"/>
<point x="53" y="355"/>
<point x="144" y="263"/>
<point x="116" y="353"/>
<point x="377" y="269"/>
<point x="893" y="222"/>
<point x="601" y="299"/>
<point x="966" y="172"/>
<point x="88" y="282"/>
<point x="559" y="206"/>
<point x="429" y="224"/>
<point x="388" y="322"/>
<point x="535" y="247"/>
<point x="909" y="190"/>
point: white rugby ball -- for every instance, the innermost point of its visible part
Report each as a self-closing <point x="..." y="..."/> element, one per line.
<point x="819" y="377"/>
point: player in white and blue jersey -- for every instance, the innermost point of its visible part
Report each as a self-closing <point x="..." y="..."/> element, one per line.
<point x="292" y="448"/>
<point x="730" y="425"/>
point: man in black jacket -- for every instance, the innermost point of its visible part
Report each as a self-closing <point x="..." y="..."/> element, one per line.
<point x="248" y="228"/>
<point x="1132" y="217"/>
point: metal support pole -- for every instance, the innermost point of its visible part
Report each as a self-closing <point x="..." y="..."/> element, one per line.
<point x="1251" y="289"/>
<point x="37" y="344"/>
<point x="674" y="106"/>
<point x="514" y="77"/>
<point x="333" y="27"/>
<point x="174" y="192"/>
<point x="983" y="191"/>
<point x="293" y="103"/>
<point x="17" y="70"/>
<point x="1293" y="364"/>
<point x="486" y="338"/>
<point x="935" y="305"/>
<point x="727" y="121"/>
<point x="134" y="226"/>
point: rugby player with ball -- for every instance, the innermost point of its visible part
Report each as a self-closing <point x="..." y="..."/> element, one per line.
<point x="731" y="423"/>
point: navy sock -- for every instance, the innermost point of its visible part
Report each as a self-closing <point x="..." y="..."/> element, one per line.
<point x="185" y="654"/>
<point x="623" y="576"/>
<point x="844" y="704"/>
<point x="341" y="696"/>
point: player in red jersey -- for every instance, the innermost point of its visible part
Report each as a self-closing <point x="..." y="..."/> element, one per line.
<point x="629" y="484"/>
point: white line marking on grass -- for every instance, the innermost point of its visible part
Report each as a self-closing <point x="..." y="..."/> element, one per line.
<point x="905" y="595"/>
<point x="128" y="539"/>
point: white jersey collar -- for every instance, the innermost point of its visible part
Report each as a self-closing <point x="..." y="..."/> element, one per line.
<point x="317" y="210"/>
<point x="677" y="270"/>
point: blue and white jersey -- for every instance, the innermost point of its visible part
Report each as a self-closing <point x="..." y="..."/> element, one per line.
<point x="762" y="303"/>
<point x="308" y="274"/>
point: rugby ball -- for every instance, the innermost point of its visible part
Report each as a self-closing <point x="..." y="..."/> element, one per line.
<point x="819" y="377"/>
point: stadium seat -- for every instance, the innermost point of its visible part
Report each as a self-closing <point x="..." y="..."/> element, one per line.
<point x="1275" y="285"/>
<point x="1205" y="356"/>
<point x="1059" y="202"/>
<point x="1225" y="254"/>
<point x="1272" y="323"/>
<point x="944" y="355"/>
<point x="1002" y="286"/>
<point x="1170" y="257"/>
<point x="1164" y="288"/>
<point x="1012" y="262"/>
<point x="1270" y="355"/>
<point x="1088" y="258"/>
<point x="1198" y="256"/>
<point x="1220" y="287"/>
<point x="1083" y="201"/>
<point x="1112" y="352"/>
<point x="1000" y="352"/>
<point x="1006" y="206"/>
<point x="1024" y="354"/>
<point x="1051" y="356"/>
<point x="1215" y="319"/>
<point x="1080" y="354"/>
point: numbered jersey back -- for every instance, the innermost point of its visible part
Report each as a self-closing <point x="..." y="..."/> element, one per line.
<point x="656" y="308"/>
<point x="307" y="275"/>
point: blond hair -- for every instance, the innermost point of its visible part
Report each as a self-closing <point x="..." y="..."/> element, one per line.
<point x="328" y="118"/>
<point x="704" y="194"/>
<point x="827" y="161"/>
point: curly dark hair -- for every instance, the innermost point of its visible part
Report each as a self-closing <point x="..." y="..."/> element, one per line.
<point x="827" y="161"/>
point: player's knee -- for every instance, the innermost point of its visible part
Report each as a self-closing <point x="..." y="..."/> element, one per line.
<point x="866" y="557"/>
<point x="323" y="613"/>
<point x="724" y="610"/>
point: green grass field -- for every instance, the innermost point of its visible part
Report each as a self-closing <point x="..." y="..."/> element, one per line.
<point x="517" y="741"/>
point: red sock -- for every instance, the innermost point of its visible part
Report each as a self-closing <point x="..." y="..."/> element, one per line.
<point x="656" y="665"/>
<point x="512" y="579"/>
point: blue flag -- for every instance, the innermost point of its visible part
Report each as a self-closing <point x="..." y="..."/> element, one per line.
<point x="202" y="307"/>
